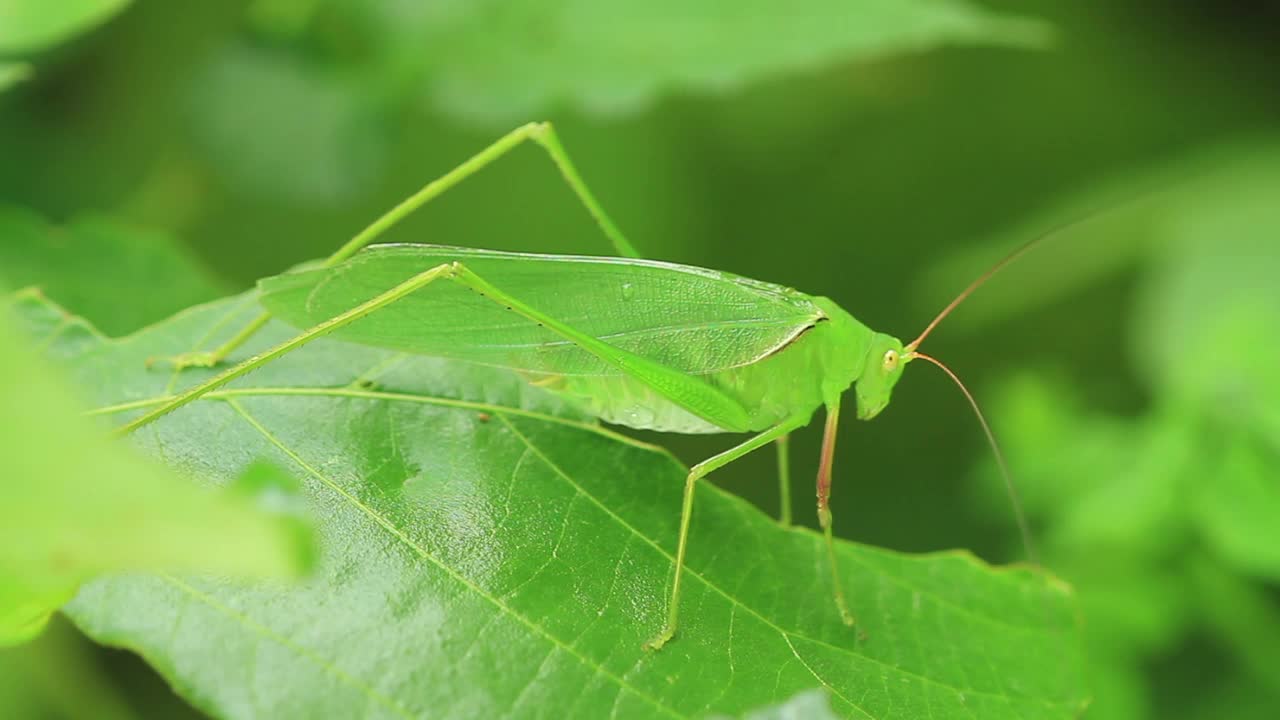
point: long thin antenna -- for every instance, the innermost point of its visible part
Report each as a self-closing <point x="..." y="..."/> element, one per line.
<point x="1021" y="518"/>
<point x="983" y="278"/>
<point x="1007" y="259"/>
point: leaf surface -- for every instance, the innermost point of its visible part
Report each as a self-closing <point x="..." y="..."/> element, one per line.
<point x="12" y="73"/>
<point x="93" y="264"/>
<point x="487" y="553"/>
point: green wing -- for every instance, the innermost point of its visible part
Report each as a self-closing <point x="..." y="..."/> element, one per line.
<point x="694" y="320"/>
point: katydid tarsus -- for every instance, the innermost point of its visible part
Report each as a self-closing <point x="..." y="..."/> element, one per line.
<point x="635" y="342"/>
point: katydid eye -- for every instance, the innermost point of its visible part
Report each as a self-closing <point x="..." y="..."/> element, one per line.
<point x="891" y="360"/>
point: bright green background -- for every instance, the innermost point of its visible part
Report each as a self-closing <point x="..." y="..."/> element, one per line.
<point x="1139" y="416"/>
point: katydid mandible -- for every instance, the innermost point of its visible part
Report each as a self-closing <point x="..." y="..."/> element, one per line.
<point x="634" y="342"/>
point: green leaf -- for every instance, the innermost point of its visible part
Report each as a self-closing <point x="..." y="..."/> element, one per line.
<point x="12" y="73"/>
<point x="99" y="268"/>
<point x="35" y="679"/>
<point x="1236" y="503"/>
<point x="499" y="62"/>
<point x="30" y="25"/>
<point x="75" y="503"/>
<point x="1244" y="616"/>
<point x="1108" y="494"/>
<point x="488" y="553"/>
<point x="1202" y="328"/>
<point x="314" y="120"/>
<point x="1104" y="481"/>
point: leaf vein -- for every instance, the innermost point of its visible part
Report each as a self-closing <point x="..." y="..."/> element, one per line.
<point x="422" y="552"/>
<point x="302" y="651"/>
<point x="787" y="634"/>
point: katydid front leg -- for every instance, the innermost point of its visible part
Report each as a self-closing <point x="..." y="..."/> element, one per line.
<point x="824" y="503"/>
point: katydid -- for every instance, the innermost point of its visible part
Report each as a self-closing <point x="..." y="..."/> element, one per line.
<point x="634" y="342"/>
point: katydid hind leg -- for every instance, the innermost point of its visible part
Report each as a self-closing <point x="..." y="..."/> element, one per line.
<point x="696" y="473"/>
<point x="542" y="133"/>
<point x="545" y="135"/>
<point x="690" y="392"/>
<point x="824" y="505"/>
<point x="784" y="480"/>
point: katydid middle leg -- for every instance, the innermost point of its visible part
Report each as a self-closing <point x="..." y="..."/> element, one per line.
<point x="696" y="473"/>
<point x="542" y="133"/>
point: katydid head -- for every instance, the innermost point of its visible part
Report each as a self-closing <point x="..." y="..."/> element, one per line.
<point x="885" y="359"/>
<point x="887" y="355"/>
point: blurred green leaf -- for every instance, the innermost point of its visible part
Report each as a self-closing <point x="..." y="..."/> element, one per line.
<point x="30" y="25"/>
<point x="1106" y="493"/>
<point x="491" y="554"/>
<point x="75" y="504"/>
<point x="12" y="73"/>
<point x="1238" y="698"/>
<point x="310" y="136"/>
<point x="120" y="278"/>
<point x="1204" y="324"/>
<point x="1120" y="689"/>
<point x="1245" y="618"/>
<point x="503" y="60"/>
<point x="316" y="132"/>
<point x="1236" y="501"/>
<point x="55" y="677"/>
<point x="1105" y="481"/>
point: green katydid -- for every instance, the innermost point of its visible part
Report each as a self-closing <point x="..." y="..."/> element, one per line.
<point x="634" y="342"/>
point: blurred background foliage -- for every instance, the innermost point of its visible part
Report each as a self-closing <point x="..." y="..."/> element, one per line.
<point x="1131" y="365"/>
